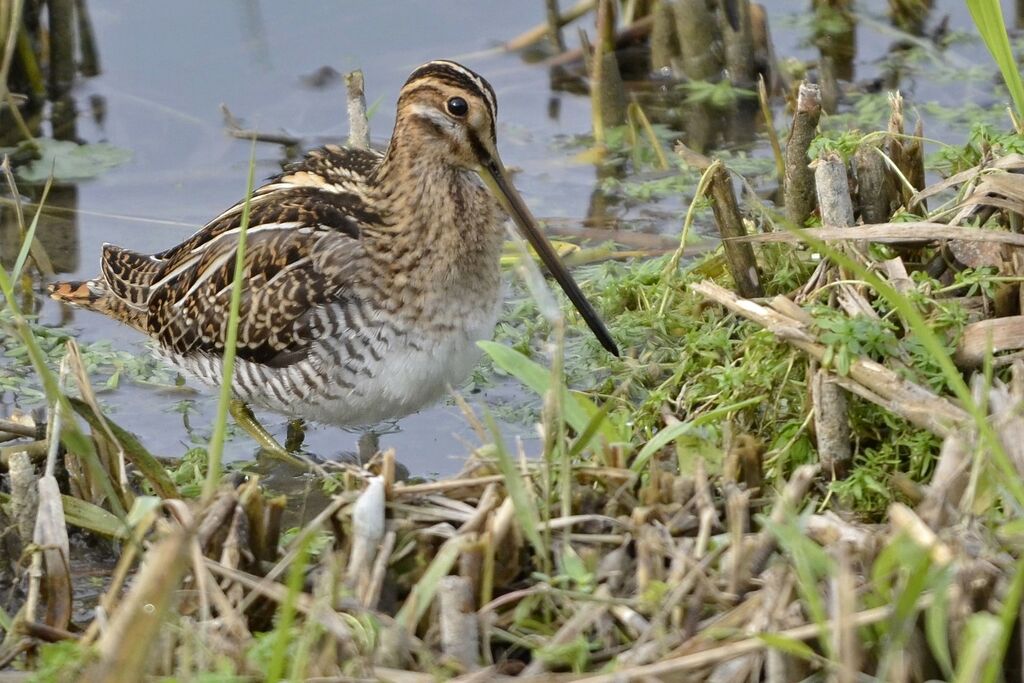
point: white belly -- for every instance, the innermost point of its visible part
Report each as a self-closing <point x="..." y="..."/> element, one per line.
<point x="405" y="380"/>
<point x="413" y="372"/>
<point x="409" y="376"/>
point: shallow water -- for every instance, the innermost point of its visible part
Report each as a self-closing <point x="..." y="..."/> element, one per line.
<point x="167" y="68"/>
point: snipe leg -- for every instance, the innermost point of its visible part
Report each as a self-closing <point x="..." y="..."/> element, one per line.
<point x="369" y="444"/>
<point x="250" y="425"/>
<point x="295" y="436"/>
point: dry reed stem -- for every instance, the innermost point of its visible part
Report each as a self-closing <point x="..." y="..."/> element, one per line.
<point x="798" y="189"/>
<point x="714" y="655"/>
<point x="271" y="590"/>
<point x="876" y="187"/>
<point x="664" y="41"/>
<point x="739" y="255"/>
<point x="871" y="380"/>
<point x="916" y="232"/>
<point x="358" y="123"/>
<point x="554" y="20"/>
<point x="460" y="628"/>
<point x="831" y="423"/>
<point x="697" y="31"/>
<point x="739" y="45"/>
<point x="125" y="646"/>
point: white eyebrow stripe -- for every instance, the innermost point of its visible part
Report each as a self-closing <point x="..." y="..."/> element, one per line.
<point x="433" y="115"/>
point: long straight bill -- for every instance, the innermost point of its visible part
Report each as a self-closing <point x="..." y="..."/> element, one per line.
<point x="494" y="175"/>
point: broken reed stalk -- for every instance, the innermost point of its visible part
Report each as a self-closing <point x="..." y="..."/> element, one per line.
<point x="61" y="14"/>
<point x="829" y="84"/>
<point x="876" y="187"/>
<point x="738" y="253"/>
<point x="89" y="63"/>
<point x="460" y="626"/>
<point x="554" y="19"/>
<point x="126" y="643"/>
<point x="697" y="31"/>
<point x="739" y="45"/>
<point x="831" y="423"/>
<point x="798" y="190"/>
<point x="358" y="123"/>
<point x="832" y="409"/>
<point x="833" y="192"/>
<point x="664" y="42"/>
<point x="541" y="31"/>
<point x="906" y="154"/>
<point x="607" y="92"/>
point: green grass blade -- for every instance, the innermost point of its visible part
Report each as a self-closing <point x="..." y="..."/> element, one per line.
<point x="670" y="434"/>
<point x="538" y="378"/>
<point x="72" y="437"/>
<point x="936" y="625"/>
<point x="216" y="450"/>
<point x="1008" y="617"/>
<point x="30" y="235"/>
<point x="85" y="515"/>
<point x="422" y="594"/>
<point x="286" y="613"/>
<point x="988" y="17"/>
<point x="526" y="511"/>
<point x="93" y="518"/>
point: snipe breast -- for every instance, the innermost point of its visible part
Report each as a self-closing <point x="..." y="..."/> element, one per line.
<point x="368" y="277"/>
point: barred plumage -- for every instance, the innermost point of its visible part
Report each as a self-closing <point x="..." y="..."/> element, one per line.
<point x="368" y="277"/>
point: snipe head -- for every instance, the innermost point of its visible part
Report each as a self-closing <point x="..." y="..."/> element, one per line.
<point x="449" y="113"/>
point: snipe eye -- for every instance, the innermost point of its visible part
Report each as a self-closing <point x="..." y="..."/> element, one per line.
<point x="457" y="106"/>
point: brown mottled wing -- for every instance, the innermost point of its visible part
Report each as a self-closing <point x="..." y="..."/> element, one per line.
<point x="301" y="251"/>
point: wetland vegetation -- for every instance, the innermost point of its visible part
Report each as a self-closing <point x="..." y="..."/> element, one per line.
<point x="803" y="225"/>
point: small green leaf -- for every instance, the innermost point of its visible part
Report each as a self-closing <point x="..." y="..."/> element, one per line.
<point x="521" y="495"/>
<point x="70" y="161"/>
<point x="790" y="646"/>
<point x="93" y="518"/>
<point x="538" y="378"/>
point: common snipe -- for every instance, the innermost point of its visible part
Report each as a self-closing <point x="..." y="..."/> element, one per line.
<point x="368" y="277"/>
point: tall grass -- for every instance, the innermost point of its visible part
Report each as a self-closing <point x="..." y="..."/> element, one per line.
<point x="988" y="17"/>
<point x="72" y="436"/>
<point x="216" y="450"/>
